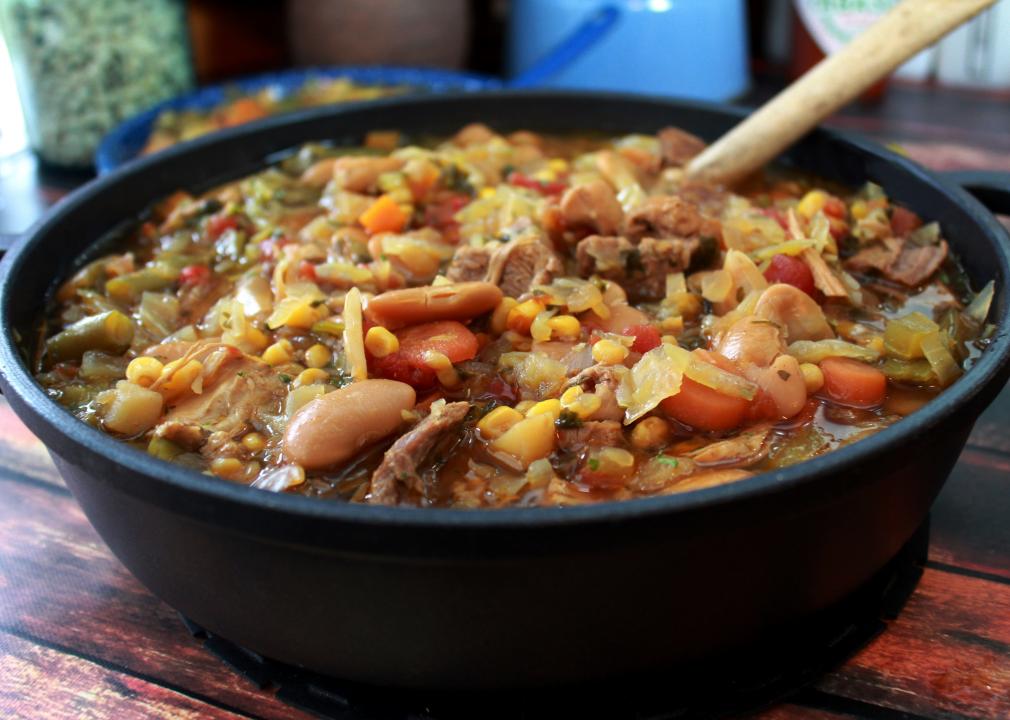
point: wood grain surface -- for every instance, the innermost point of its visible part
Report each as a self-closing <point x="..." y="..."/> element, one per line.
<point x="80" y="637"/>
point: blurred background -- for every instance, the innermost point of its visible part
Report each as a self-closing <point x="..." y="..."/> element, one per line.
<point x="71" y="71"/>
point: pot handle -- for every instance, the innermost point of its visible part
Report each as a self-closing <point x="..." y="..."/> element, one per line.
<point x="990" y="187"/>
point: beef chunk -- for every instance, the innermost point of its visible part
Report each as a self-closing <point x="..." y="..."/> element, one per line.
<point x="528" y="264"/>
<point x="401" y="461"/>
<point x="668" y="216"/>
<point x="592" y="206"/>
<point x="516" y="267"/>
<point x="592" y="434"/>
<point x="677" y="146"/>
<point x="641" y="270"/>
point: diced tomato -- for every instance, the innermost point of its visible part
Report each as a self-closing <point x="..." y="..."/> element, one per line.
<point x="904" y="221"/>
<point x="219" y="223"/>
<point x="194" y="275"/>
<point x="307" y="271"/>
<point x="451" y="338"/>
<point x="791" y="271"/>
<point x="544" y="188"/>
<point x="439" y="215"/>
<point x="834" y="207"/>
<point x="646" y="337"/>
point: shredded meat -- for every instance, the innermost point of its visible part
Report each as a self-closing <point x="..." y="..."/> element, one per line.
<point x="594" y="433"/>
<point x="677" y="146"/>
<point x="602" y="380"/>
<point x="641" y="270"/>
<point x="240" y="391"/>
<point x="592" y="206"/>
<point x="900" y="260"/>
<point x="669" y="216"/>
<point x="400" y="462"/>
<point x="916" y="263"/>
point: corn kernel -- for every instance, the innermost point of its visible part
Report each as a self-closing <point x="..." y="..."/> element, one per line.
<point x="183" y="379"/>
<point x="144" y="370"/>
<point x="496" y="422"/>
<point x="545" y="176"/>
<point x="550" y="407"/>
<point x="558" y="165"/>
<point x="859" y="209"/>
<point x="254" y="442"/>
<point x="487" y="192"/>
<point x="565" y="326"/>
<point x="318" y="356"/>
<point x="380" y="342"/>
<point x="570" y="395"/>
<point x="443" y="368"/>
<point x="672" y="325"/>
<point x="876" y="343"/>
<point x="650" y="432"/>
<point x="441" y="280"/>
<point x="522" y="315"/>
<point x="609" y="352"/>
<point x="586" y="405"/>
<point x="812" y="376"/>
<point x="812" y="203"/>
<point x="228" y="468"/>
<point x="256" y="339"/>
<point x="311" y="376"/>
<point x="582" y="404"/>
<point x="616" y="458"/>
<point x="278" y="353"/>
<point x="500" y="315"/>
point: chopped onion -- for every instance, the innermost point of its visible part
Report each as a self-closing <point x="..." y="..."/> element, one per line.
<point x="354" y="341"/>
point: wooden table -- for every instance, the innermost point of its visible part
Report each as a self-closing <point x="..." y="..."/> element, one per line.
<point x="80" y="637"/>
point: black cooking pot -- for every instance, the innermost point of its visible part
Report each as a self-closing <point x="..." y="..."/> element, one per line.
<point x="427" y="597"/>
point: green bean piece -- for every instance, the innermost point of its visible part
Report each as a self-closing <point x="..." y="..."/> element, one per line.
<point x="110" y="332"/>
<point x="128" y="287"/>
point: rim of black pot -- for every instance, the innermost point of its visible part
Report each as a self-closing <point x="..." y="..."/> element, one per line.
<point x="43" y="413"/>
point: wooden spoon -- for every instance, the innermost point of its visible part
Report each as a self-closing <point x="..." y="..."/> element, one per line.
<point x="908" y="28"/>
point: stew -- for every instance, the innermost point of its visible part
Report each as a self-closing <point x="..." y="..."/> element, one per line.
<point x="495" y="320"/>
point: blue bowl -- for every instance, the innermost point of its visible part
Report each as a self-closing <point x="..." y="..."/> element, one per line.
<point x="125" y="142"/>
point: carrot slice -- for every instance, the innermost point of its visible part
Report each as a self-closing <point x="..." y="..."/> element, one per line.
<point x="704" y="408"/>
<point x="383" y="215"/>
<point x="851" y="382"/>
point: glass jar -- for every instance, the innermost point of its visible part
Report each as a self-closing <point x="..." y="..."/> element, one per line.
<point x="81" y="66"/>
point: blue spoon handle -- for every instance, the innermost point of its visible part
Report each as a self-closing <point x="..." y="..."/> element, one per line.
<point x="570" y="49"/>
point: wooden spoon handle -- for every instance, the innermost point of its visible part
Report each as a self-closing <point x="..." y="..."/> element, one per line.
<point x="908" y="28"/>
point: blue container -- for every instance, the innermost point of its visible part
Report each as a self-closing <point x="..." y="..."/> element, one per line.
<point x="683" y="48"/>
